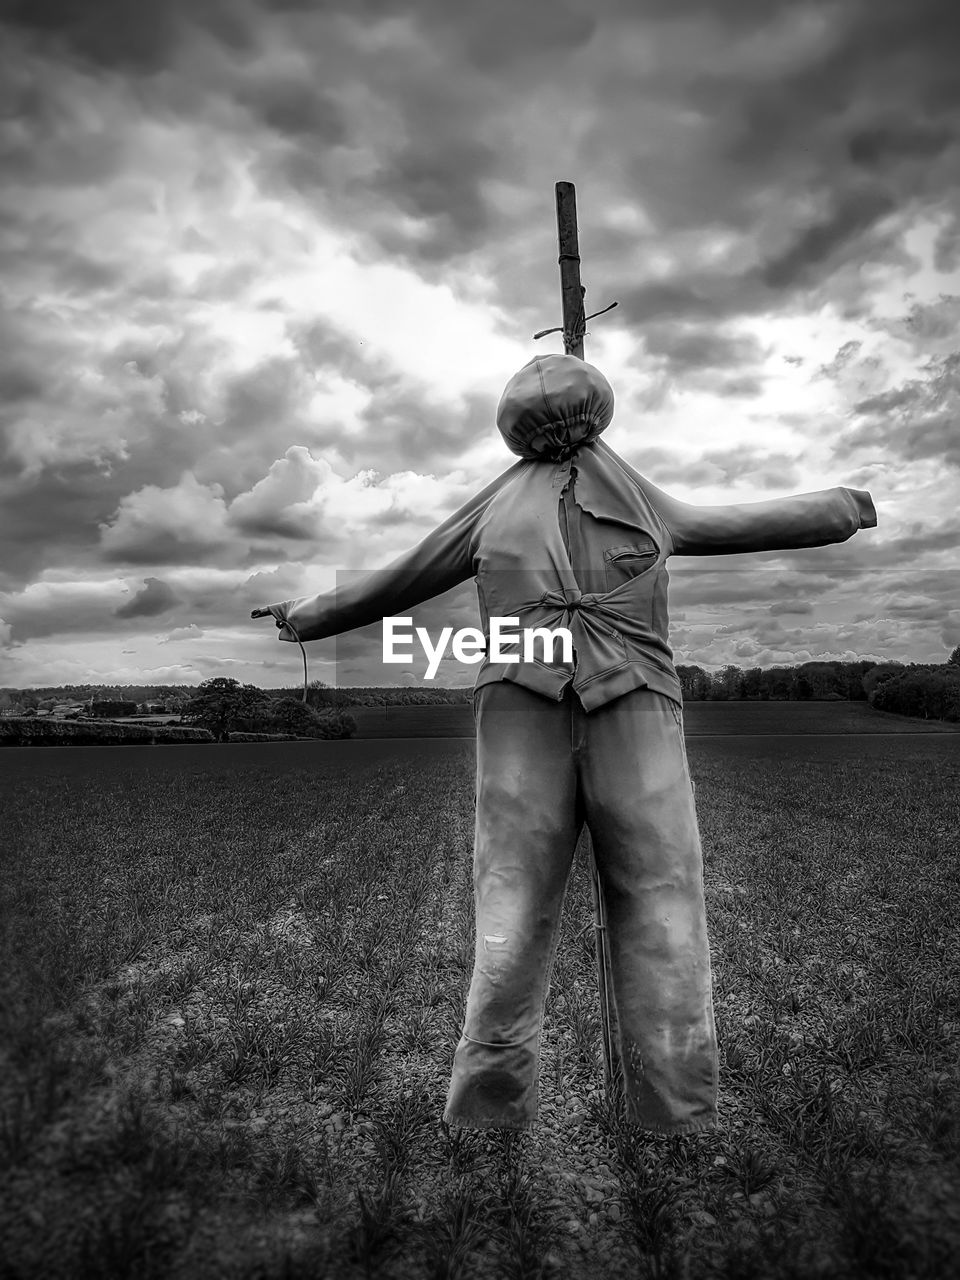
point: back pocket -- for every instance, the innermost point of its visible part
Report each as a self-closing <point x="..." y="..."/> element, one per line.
<point x="629" y="561"/>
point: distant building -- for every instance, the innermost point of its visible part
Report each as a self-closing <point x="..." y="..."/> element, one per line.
<point x="112" y="709"/>
<point x="68" y="710"/>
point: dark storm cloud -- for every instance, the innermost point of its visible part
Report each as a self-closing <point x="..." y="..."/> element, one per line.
<point x="31" y="540"/>
<point x="713" y="466"/>
<point x="885" y="59"/>
<point x="923" y="538"/>
<point x="166" y="549"/>
<point x="153" y="598"/>
<point x="404" y="430"/>
<point x="779" y="114"/>
<point x="772" y="123"/>
<point x="742" y="581"/>
<point x="791" y="606"/>
<point x="871" y="146"/>
<point x="697" y="348"/>
<point x="789" y="135"/>
<point x="277" y="524"/>
<point x="400" y="428"/>
<point x="260" y="399"/>
<point x="129" y="36"/>
<point x="696" y="297"/>
<point x="757" y="464"/>
<point x="731" y="161"/>
<point x="914" y="607"/>
<point x="915" y="420"/>
<point x="416" y="435"/>
<point x="300" y="109"/>
<point x="946" y="253"/>
<point x="499" y="33"/>
<point x="823" y="241"/>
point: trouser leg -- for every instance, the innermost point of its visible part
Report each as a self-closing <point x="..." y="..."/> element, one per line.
<point x="640" y="810"/>
<point x="526" y="832"/>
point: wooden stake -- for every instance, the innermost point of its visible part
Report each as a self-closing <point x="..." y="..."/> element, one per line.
<point x="571" y="290"/>
<point x="574" y="325"/>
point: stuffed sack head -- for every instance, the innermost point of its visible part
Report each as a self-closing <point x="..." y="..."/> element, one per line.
<point x="553" y="404"/>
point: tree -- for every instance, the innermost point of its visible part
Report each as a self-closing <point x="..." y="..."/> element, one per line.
<point x="852" y="674"/>
<point x="954" y="659"/>
<point x="873" y="678"/>
<point x="753" y="684"/>
<point x="822" y="677"/>
<point x="320" y="695"/>
<point x="695" y="683"/>
<point x="292" y="715"/>
<point x="220" y="703"/>
<point x="802" y="688"/>
<point x="727" y="684"/>
<point x="922" y="690"/>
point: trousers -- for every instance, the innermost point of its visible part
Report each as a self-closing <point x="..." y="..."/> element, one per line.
<point x="545" y="767"/>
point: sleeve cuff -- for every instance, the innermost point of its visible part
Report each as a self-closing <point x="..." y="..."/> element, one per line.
<point x="286" y="612"/>
<point x="865" y="507"/>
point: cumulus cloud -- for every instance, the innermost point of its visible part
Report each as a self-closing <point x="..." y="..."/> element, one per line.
<point x="304" y="499"/>
<point x="53" y="606"/>
<point x="916" y="419"/>
<point x="191" y="632"/>
<point x="154" y="597"/>
<point x="791" y="606"/>
<point x="181" y="524"/>
<point x="268" y="265"/>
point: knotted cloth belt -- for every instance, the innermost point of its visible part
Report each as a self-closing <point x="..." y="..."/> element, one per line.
<point x="597" y="627"/>
<point x="584" y="610"/>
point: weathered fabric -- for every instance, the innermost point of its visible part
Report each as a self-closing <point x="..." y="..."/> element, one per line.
<point x="543" y="768"/>
<point x="509" y="538"/>
<point x="581" y="539"/>
<point x="553" y="403"/>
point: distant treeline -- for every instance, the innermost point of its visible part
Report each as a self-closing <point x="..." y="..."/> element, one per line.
<point x="139" y="693"/>
<point x="320" y="695"/>
<point x="174" y="698"/>
<point x="928" y="690"/>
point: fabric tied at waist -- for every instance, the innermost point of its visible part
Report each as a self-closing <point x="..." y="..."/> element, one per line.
<point x="572" y="601"/>
<point x="593" y="625"/>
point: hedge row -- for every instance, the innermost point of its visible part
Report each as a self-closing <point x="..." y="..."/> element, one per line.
<point x="26" y="731"/>
<point x="264" y="737"/>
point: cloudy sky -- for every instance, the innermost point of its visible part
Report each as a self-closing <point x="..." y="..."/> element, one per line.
<point x="267" y="266"/>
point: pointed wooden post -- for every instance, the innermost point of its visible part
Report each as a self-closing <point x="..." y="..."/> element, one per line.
<point x="574" y="325"/>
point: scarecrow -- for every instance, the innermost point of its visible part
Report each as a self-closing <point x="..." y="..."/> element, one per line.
<point x="571" y="535"/>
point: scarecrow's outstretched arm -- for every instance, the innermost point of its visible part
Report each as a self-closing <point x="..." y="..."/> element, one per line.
<point x="803" y="520"/>
<point x="781" y="524"/>
<point x="443" y="559"/>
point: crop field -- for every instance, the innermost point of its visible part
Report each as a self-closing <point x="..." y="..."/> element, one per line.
<point x="232" y="979"/>
<point x="701" y="718"/>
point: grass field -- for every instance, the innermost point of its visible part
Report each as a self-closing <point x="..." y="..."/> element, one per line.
<point x="700" y="718"/>
<point x="232" y="980"/>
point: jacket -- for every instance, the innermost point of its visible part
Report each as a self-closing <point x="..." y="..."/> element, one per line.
<point x="514" y="537"/>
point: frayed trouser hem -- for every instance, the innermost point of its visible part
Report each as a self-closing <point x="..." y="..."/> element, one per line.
<point x="488" y="1122"/>
<point x="688" y="1126"/>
